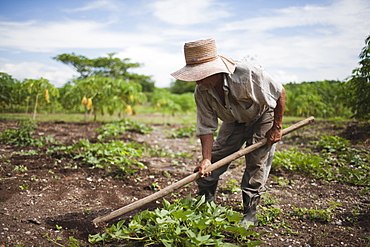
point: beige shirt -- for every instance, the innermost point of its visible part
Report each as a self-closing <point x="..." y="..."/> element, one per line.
<point x="249" y="91"/>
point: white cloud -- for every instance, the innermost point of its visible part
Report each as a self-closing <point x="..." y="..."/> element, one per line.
<point x="46" y="37"/>
<point x="158" y="63"/>
<point x="99" y="4"/>
<point x="34" y="70"/>
<point x="189" y="12"/>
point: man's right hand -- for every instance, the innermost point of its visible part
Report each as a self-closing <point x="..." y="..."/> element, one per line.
<point x="202" y="167"/>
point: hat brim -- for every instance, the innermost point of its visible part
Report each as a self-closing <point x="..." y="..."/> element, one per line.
<point x="197" y="72"/>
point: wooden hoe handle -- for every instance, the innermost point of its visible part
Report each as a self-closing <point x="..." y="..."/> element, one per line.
<point x="195" y="176"/>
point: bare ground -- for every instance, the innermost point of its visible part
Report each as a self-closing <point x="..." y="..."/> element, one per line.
<point x="60" y="195"/>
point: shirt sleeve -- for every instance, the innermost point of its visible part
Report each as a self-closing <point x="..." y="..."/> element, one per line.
<point x="263" y="88"/>
<point x="207" y="122"/>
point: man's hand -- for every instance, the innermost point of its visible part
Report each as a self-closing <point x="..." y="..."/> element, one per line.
<point x="274" y="135"/>
<point x="202" y="167"/>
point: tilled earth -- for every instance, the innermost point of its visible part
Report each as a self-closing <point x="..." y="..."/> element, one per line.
<point x="57" y="197"/>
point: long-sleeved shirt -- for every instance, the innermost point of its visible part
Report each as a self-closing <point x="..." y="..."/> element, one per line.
<point x="249" y="91"/>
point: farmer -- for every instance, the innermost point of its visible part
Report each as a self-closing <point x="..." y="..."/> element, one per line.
<point x="251" y="105"/>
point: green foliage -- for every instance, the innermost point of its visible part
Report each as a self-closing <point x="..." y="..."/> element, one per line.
<point x="358" y="86"/>
<point x="332" y="143"/>
<point x="188" y="222"/>
<point x="316" y="214"/>
<point x="336" y="161"/>
<point x="269" y="215"/>
<point x="106" y="94"/>
<point x="169" y="103"/>
<point x="7" y="90"/>
<point x="232" y="185"/>
<point x="181" y="87"/>
<point x="108" y="66"/>
<point x="20" y="168"/>
<point x="323" y="99"/>
<point x="35" y="89"/>
<point x="159" y="152"/>
<point x="183" y="132"/>
<point x="117" y="128"/>
<point x="105" y="155"/>
<point x="23" y="136"/>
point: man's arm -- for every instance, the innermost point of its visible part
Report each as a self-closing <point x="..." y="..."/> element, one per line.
<point x="207" y="142"/>
<point x="275" y="133"/>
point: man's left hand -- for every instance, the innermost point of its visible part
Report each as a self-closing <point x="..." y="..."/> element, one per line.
<point x="274" y="135"/>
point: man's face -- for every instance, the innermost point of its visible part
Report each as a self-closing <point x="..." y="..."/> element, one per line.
<point x="211" y="81"/>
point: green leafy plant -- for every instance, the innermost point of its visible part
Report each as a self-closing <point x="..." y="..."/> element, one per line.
<point x="188" y="222"/>
<point x="25" y="153"/>
<point x="72" y="241"/>
<point x="23" y="136"/>
<point x="116" y="154"/>
<point x="24" y="186"/>
<point x="313" y="214"/>
<point x="160" y="152"/>
<point x="183" y="132"/>
<point x="269" y="215"/>
<point x="232" y="185"/>
<point x="317" y="214"/>
<point x="20" y="168"/>
<point x="332" y="143"/>
<point x="336" y="161"/>
<point x="117" y="128"/>
<point x="268" y="199"/>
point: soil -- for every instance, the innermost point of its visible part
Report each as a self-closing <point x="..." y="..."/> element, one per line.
<point x="62" y="200"/>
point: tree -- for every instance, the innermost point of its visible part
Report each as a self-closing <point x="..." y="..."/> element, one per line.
<point x="7" y="84"/>
<point x="106" y="67"/>
<point x="358" y="85"/>
<point x="37" y="88"/>
<point x="180" y="87"/>
<point x="100" y="94"/>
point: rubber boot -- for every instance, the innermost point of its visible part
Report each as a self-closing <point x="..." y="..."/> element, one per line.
<point x="209" y="191"/>
<point x="250" y="209"/>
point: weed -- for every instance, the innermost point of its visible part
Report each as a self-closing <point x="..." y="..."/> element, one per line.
<point x="156" y="187"/>
<point x="24" y="186"/>
<point x="269" y="215"/>
<point x="183" y="132"/>
<point x="313" y="214"/>
<point x="26" y="153"/>
<point x="188" y="222"/>
<point x="20" y="168"/>
<point x="117" y="128"/>
<point x="268" y="200"/>
<point x="72" y="241"/>
<point x="23" y="136"/>
<point x="336" y="162"/>
<point x="282" y="181"/>
<point x="166" y="174"/>
<point x="232" y="185"/>
<point x="332" y="143"/>
<point x="116" y="154"/>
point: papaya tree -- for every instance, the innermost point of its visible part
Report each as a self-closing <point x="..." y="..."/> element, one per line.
<point x="101" y="94"/>
<point x="7" y="86"/>
<point x="358" y="85"/>
<point x="38" y="88"/>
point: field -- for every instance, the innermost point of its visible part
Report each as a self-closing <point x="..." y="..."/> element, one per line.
<point x="47" y="198"/>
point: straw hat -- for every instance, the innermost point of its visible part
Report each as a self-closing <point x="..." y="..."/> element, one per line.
<point x="202" y="60"/>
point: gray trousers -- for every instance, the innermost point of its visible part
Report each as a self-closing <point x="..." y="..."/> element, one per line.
<point x="230" y="139"/>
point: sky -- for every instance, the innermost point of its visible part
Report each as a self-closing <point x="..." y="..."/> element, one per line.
<point x="294" y="41"/>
